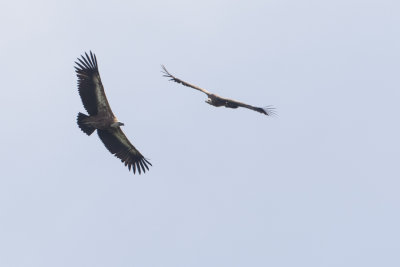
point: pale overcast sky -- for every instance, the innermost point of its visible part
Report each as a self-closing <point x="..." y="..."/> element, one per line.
<point x="317" y="185"/>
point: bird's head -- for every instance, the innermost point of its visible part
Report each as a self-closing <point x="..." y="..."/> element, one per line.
<point x="117" y="124"/>
<point x="208" y="101"/>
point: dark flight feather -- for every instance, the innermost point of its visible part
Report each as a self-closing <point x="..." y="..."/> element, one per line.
<point x="87" y="71"/>
<point x="117" y="143"/>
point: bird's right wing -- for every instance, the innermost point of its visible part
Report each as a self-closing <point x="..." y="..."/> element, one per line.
<point x="173" y="78"/>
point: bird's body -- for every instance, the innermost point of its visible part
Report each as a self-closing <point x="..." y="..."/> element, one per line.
<point x="216" y="100"/>
<point x="100" y="122"/>
<point x="101" y="117"/>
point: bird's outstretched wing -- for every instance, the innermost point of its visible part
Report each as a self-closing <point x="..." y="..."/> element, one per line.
<point x="90" y="87"/>
<point x="268" y="110"/>
<point x="173" y="78"/>
<point x="118" y="144"/>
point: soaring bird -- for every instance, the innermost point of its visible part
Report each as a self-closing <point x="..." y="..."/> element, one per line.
<point x="216" y="100"/>
<point x="101" y="117"/>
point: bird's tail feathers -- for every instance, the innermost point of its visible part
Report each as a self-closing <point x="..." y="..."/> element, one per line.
<point x="87" y="129"/>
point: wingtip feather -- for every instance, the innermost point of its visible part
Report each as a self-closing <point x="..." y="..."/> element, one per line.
<point x="269" y="111"/>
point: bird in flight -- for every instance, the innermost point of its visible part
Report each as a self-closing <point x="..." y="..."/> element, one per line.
<point x="216" y="100"/>
<point x="101" y="117"/>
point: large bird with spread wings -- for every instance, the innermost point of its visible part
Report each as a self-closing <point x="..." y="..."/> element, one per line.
<point x="216" y="100"/>
<point x="101" y="117"/>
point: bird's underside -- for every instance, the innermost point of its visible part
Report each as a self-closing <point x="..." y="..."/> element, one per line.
<point x="216" y="100"/>
<point x="101" y="117"/>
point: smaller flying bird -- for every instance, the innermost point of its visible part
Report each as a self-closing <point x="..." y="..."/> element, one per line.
<point x="216" y="100"/>
<point x="101" y="117"/>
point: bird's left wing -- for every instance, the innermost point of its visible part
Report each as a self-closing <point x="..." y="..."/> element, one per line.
<point x="269" y="111"/>
<point x="90" y="86"/>
<point x="118" y="144"/>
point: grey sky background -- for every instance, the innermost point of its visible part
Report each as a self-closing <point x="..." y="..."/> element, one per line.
<point x="318" y="185"/>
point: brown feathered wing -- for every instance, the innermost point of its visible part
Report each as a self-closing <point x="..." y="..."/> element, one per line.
<point x="269" y="111"/>
<point x="118" y="144"/>
<point x="177" y="80"/>
<point x="90" y="86"/>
